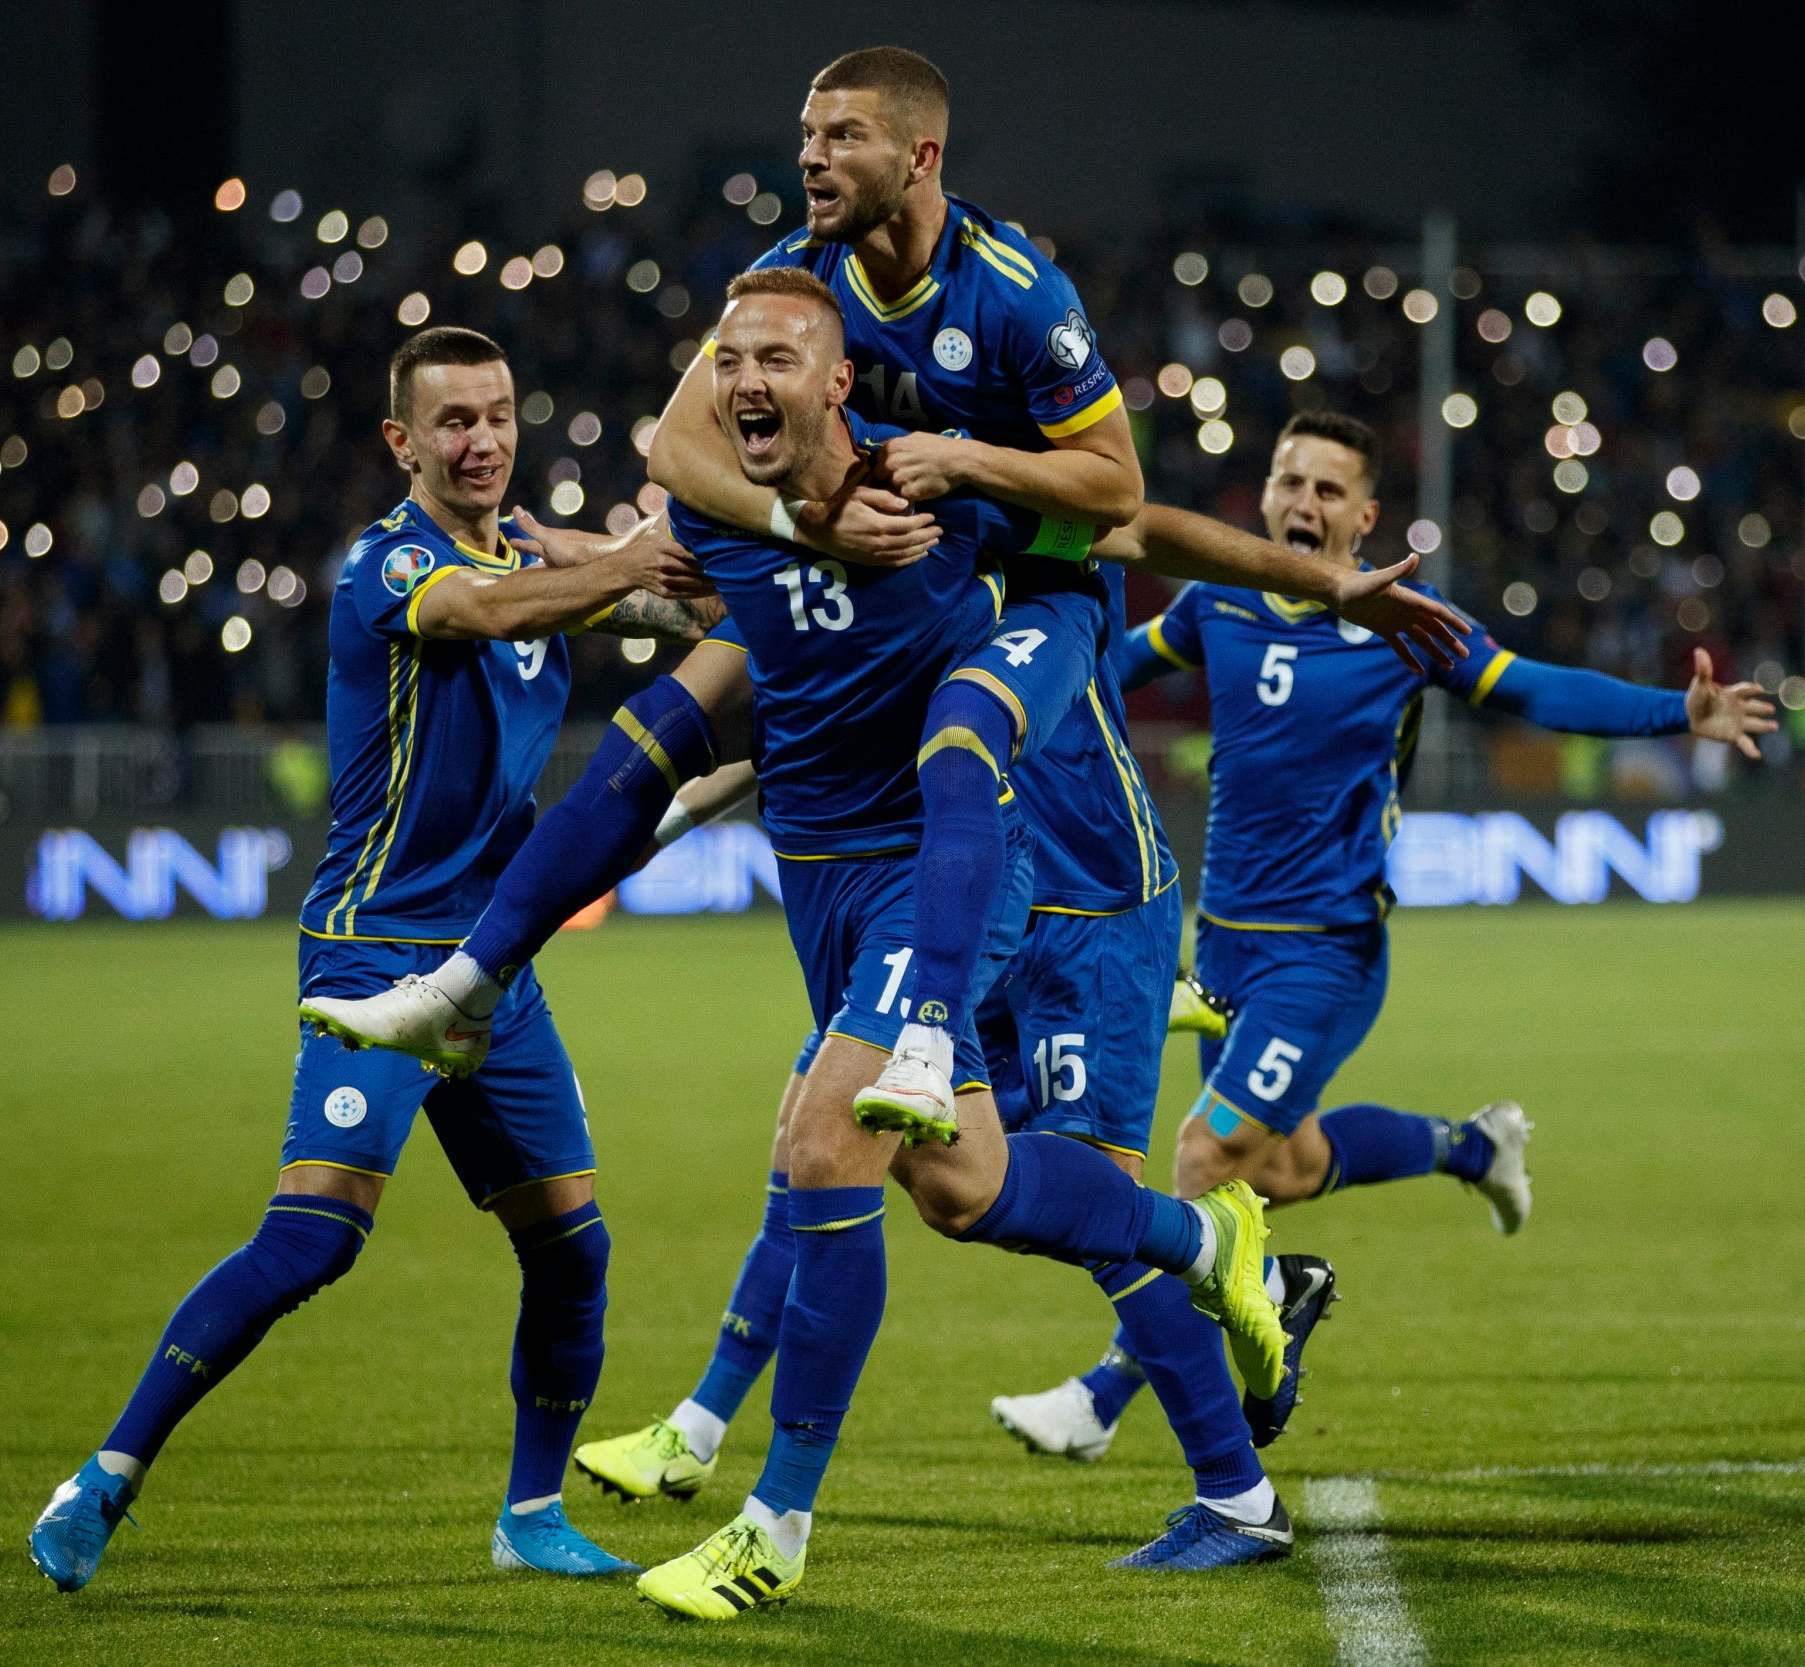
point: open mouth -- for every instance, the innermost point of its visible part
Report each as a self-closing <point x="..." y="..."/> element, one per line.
<point x="822" y="196"/>
<point x="485" y="475"/>
<point x="1303" y="539"/>
<point x="759" y="431"/>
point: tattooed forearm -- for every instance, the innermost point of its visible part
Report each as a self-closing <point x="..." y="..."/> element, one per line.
<point x="670" y="619"/>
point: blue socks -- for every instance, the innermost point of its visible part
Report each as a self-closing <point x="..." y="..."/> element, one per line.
<point x="836" y="1300"/>
<point x="748" y="1336"/>
<point x="1117" y="1378"/>
<point x="589" y="840"/>
<point x="1370" y="1143"/>
<point x="301" y="1246"/>
<point x="1180" y="1351"/>
<point x="557" y="1343"/>
<point x="965" y="747"/>
<point x="1064" y="1199"/>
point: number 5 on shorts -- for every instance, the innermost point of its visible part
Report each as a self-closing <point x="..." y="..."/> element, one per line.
<point x="1272" y="1076"/>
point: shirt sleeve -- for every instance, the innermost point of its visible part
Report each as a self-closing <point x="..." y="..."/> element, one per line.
<point x="388" y="583"/>
<point x="1055" y="356"/>
<point x="1135" y="660"/>
<point x="1009" y="530"/>
<point x="1175" y="636"/>
<point x="1583" y="702"/>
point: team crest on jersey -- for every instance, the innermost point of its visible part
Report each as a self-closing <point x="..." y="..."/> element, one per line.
<point x="1353" y="634"/>
<point x="952" y="349"/>
<point x="345" y="1107"/>
<point x="1070" y="340"/>
<point x="405" y="566"/>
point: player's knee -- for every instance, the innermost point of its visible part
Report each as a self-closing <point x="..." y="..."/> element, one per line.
<point x="947" y="1193"/>
<point x="305" y="1243"/>
<point x="569" y="1252"/>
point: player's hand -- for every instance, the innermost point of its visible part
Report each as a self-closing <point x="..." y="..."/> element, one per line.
<point x="869" y="527"/>
<point x="647" y="558"/>
<point x="1737" y="713"/>
<point x="1417" y="627"/>
<point x="923" y="466"/>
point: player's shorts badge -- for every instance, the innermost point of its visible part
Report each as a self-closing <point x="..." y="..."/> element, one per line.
<point x="405" y="566"/>
<point x="952" y="349"/>
<point x="346" y="1107"/>
<point x="1070" y="340"/>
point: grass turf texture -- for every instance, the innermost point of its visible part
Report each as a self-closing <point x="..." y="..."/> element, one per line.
<point x="332" y="1503"/>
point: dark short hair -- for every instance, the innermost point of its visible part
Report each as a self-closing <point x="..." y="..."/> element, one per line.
<point x="443" y="344"/>
<point x="1344" y="431"/>
<point x="904" y="78"/>
<point x="793" y="281"/>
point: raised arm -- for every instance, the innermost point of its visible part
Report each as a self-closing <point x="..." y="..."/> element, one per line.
<point x="1592" y="703"/>
<point x="693" y="460"/>
<point x="1185" y="545"/>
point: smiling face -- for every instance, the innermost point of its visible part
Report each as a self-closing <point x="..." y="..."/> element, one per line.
<point x="856" y="163"/>
<point x="780" y="376"/>
<point x="456" y="436"/>
<point x="1318" y="499"/>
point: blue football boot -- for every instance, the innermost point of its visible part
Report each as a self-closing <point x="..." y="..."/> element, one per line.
<point x="1197" y="1538"/>
<point x="544" y="1540"/>
<point x="70" y="1538"/>
<point x="1309" y="1289"/>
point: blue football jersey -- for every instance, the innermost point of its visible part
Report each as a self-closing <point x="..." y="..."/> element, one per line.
<point x="992" y="339"/>
<point x="843" y="662"/>
<point x="1313" y="723"/>
<point x="1099" y="846"/>
<point x="435" y="744"/>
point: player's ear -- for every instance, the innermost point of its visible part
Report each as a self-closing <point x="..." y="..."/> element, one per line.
<point x="1369" y="516"/>
<point x="399" y="445"/>
<point x="839" y="384"/>
<point x="924" y="160"/>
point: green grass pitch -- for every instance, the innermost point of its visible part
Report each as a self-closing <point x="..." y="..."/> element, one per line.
<point x="1565" y="1431"/>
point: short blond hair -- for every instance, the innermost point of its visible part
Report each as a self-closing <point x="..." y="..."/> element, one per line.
<point x="792" y="282"/>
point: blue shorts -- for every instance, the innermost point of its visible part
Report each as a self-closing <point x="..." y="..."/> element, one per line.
<point x="1303" y="1002"/>
<point x="518" y="1118"/>
<point x="1074" y="1034"/>
<point x="852" y="923"/>
<point x="1040" y="661"/>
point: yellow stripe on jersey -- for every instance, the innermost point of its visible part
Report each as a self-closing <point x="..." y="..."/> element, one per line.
<point x="363" y="856"/>
<point x="995" y="586"/>
<point x="372" y="937"/>
<point x="993" y="253"/>
<point x="1260" y="925"/>
<point x="1290" y="608"/>
<point x="889" y="312"/>
<point x="1097" y="914"/>
<point x="1157" y="636"/>
<point x="409" y="727"/>
<point x="1092" y="413"/>
<point x="420" y="590"/>
<point x="492" y="561"/>
<point x="1488" y="679"/>
<point x="976" y="235"/>
<point x="1127" y="770"/>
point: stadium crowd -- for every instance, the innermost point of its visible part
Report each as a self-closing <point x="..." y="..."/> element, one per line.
<point x="188" y="409"/>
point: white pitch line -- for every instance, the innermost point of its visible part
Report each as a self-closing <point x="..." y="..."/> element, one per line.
<point x="1530" y="1472"/>
<point x="1361" y="1599"/>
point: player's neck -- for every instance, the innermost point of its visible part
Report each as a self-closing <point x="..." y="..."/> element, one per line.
<point x="898" y="252"/>
<point x="826" y="471"/>
<point x="481" y="533"/>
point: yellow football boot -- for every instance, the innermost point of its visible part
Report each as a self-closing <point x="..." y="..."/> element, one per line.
<point x="645" y="1463"/>
<point x="735" y="1569"/>
<point x="1233" y="1292"/>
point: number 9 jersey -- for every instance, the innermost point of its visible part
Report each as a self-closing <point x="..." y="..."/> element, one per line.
<point x="435" y="744"/>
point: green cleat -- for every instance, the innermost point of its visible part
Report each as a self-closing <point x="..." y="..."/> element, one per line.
<point x="1196" y="1010"/>
<point x="1233" y="1292"/>
<point x="645" y="1463"/>
<point x="735" y="1569"/>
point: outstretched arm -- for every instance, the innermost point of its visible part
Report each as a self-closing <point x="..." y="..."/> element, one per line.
<point x="1185" y="545"/>
<point x="1592" y="703"/>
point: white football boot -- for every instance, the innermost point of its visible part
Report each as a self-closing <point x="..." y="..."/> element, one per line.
<point x="1505" y="1183"/>
<point x="914" y="1095"/>
<point x="414" y="1016"/>
<point x="1060" y="1421"/>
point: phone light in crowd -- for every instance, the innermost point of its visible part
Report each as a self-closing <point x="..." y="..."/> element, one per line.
<point x="1190" y="268"/>
<point x="1420" y="306"/>
<point x="1459" y="410"/>
<point x="1328" y="289"/>
<point x="1423" y="536"/>
<point x="1542" y="309"/>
